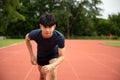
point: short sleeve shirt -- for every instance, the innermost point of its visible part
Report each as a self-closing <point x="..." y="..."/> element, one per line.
<point x="47" y="46"/>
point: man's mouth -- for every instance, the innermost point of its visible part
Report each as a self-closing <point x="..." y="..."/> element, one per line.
<point x="47" y="33"/>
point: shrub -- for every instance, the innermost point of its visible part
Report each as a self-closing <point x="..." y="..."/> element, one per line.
<point x="115" y="37"/>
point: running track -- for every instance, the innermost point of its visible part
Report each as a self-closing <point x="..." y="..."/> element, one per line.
<point x="85" y="60"/>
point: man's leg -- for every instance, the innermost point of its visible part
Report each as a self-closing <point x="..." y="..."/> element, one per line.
<point x="53" y="73"/>
<point x="43" y="76"/>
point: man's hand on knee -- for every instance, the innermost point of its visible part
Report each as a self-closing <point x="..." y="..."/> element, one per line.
<point x="47" y="68"/>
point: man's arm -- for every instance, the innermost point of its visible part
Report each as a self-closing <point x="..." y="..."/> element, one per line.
<point x="50" y="67"/>
<point x="61" y="52"/>
<point x="29" y="46"/>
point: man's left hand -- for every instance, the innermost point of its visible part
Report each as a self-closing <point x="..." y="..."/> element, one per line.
<point x="47" y="68"/>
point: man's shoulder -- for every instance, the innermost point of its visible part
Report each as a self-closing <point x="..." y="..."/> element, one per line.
<point x="35" y="31"/>
<point x="58" y="33"/>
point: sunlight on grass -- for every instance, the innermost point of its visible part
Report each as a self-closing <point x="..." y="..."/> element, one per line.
<point x="7" y="42"/>
<point x="117" y="44"/>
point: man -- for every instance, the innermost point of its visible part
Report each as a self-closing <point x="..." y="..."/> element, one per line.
<point x="50" y="47"/>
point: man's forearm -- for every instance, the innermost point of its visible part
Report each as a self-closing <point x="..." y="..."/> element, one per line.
<point x="61" y="53"/>
<point x="29" y="46"/>
<point x="58" y="61"/>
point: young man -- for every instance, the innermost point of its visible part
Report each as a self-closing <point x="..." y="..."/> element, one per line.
<point x="50" y="47"/>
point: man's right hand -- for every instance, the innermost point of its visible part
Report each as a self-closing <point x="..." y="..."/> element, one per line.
<point x="29" y="46"/>
<point x="33" y="60"/>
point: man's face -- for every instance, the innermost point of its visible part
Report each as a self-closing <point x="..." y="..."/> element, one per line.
<point x="47" y="31"/>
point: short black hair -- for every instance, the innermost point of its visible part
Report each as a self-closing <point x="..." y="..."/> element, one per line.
<point x="47" y="19"/>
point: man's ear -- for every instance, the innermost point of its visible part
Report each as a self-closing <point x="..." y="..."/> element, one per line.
<point x="40" y="25"/>
<point x="54" y="25"/>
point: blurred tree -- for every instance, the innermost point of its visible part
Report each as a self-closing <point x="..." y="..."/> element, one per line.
<point x="74" y="17"/>
<point x="9" y="12"/>
<point x="84" y="17"/>
<point x="63" y="14"/>
<point x="104" y="27"/>
<point x="115" y="24"/>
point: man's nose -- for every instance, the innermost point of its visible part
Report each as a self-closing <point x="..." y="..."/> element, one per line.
<point x="47" y="29"/>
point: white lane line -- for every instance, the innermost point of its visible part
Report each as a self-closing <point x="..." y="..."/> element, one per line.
<point x="73" y="70"/>
<point x="28" y="73"/>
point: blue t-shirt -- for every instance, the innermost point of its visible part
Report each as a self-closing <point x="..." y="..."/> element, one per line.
<point x="47" y="46"/>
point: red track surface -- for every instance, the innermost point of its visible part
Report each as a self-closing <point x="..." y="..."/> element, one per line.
<point x="85" y="60"/>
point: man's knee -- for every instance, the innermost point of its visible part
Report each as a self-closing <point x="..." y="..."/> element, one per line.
<point x="42" y="75"/>
<point x="53" y="74"/>
<point x="42" y="78"/>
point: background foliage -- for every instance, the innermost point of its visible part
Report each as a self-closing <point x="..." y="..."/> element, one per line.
<point x="74" y="18"/>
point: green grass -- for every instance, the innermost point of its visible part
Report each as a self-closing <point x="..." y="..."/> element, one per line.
<point x="117" y="44"/>
<point x="7" y="42"/>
